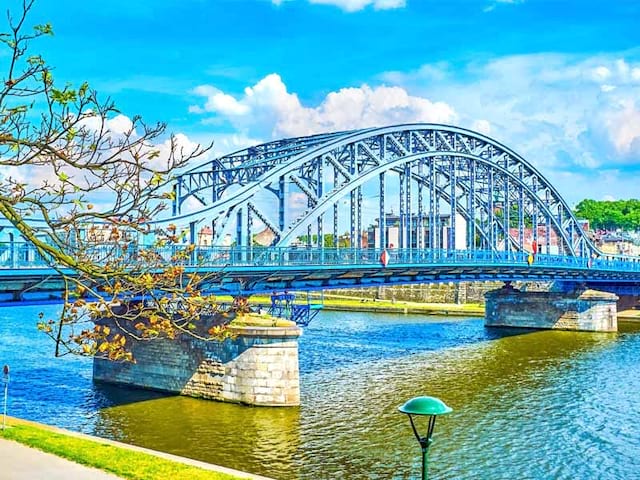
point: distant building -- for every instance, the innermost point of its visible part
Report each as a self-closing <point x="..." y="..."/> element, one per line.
<point x="541" y="235"/>
<point x="584" y="223"/>
<point x="418" y="236"/>
<point x="107" y="233"/>
<point x="205" y="236"/>
<point x="616" y="244"/>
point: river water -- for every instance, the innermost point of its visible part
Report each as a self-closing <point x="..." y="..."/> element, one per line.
<point x="527" y="404"/>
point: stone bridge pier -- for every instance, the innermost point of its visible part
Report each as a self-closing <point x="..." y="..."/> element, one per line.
<point x="578" y="308"/>
<point x="258" y="366"/>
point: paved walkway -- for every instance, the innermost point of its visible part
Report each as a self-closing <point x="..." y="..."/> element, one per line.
<point x="18" y="462"/>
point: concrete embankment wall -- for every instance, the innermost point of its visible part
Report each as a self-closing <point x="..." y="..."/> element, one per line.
<point x="463" y="292"/>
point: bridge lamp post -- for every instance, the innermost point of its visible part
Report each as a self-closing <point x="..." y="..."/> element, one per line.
<point x="430" y="407"/>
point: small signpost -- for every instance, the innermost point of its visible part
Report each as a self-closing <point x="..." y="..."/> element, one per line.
<point x="5" y="379"/>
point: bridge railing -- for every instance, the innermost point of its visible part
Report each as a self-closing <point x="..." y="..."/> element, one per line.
<point x="18" y="255"/>
<point x="313" y="256"/>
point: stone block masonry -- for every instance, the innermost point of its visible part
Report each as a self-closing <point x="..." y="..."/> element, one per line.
<point x="463" y="292"/>
<point x="257" y="367"/>
<point x="581" y="309"/>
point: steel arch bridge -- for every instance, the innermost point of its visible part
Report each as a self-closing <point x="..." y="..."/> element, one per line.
<point x="441" y="203"/>
<point x="451" y="188"/>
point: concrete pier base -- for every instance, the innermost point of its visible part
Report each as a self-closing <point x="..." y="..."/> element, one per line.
<point x="581" y="309"/>
<point x="258" y="367"/>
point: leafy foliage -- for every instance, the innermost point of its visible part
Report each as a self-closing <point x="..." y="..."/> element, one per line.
<point x="80" y="182"/>
<point x="514" y="216"/>
<point x="610" y="215"/>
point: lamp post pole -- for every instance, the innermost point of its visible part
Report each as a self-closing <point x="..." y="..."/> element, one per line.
<point x="5" y="372"/>
<point x="424" y="406"/>
<point x="425" y="461"/>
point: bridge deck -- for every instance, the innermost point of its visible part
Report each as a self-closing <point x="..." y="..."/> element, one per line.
<point x="247" y="271"/>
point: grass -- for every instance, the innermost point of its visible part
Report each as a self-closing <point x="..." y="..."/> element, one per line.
<point x="347" y="303"/>
<point x="122" y="462"/>
<point x="400" y="304"/>
<point x="338" y="302"/>
<point x="257" y="320"/>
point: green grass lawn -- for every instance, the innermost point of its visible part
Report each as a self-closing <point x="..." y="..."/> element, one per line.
<point x="122" y="462"/>
<point x="354" y="303"/>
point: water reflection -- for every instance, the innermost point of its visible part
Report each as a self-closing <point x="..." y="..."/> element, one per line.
<point x="227" y="434"/>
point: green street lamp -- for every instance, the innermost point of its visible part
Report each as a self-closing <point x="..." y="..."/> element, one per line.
<point x="425" y="406"/>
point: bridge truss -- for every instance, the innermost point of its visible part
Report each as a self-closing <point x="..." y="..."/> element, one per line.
<point x="440" y="202"/>
<point x="310" y="190"/>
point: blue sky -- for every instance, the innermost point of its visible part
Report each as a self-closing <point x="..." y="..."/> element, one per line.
<point x="557" y="81"/>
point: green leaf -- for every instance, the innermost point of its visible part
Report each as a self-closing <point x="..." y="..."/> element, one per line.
<point x="63" y="96"/>
<point x="44" y="29"/>
<point x="71" y="134"/>
<point x="35" y="60"/>
<point x="47" y="77"/>
<point x="157" y="179"/>
<point x="82" y="91"/>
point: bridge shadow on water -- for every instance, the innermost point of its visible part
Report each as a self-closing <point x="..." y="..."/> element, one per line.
<point x="107" y="395"/>
<point x="339" y="339"/>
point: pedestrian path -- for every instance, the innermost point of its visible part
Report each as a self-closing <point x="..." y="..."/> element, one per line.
<point x="19" y="462"/>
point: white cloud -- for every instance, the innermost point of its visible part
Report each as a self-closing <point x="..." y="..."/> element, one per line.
<point x="355" y="5"/>
<point x="482" y="126"/>
<point x="120" y="124"/>
<point x="268" y="110"/>
<point x="623" y="127"/>
<point x="525" y="96"/>
<point x="573" y="117"/>
<point x="577" y="119"/>
<point x="601" y="73"/>
<point x="217" y="101"/>
<point x="37" y="176"/>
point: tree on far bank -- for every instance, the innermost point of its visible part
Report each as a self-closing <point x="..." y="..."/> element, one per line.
<point x="80" y="182"/>
<point x="610" y="215"/>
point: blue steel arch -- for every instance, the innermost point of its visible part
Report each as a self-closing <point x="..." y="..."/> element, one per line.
<point x="497" y="192"/>
<point x="221" y="173"/>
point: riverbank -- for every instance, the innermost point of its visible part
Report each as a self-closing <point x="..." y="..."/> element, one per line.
<point x="354" y="304"/>
<point x="631" y="315"/>
<point x="361" y="304"/>
<point x="115" y="459"/>
<point x="386" y="306"/>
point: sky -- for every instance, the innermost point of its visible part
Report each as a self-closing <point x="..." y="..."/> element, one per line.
<point x="556" y="81"/>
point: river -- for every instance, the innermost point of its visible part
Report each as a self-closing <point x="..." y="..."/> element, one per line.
<point x="527" y="404"/>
